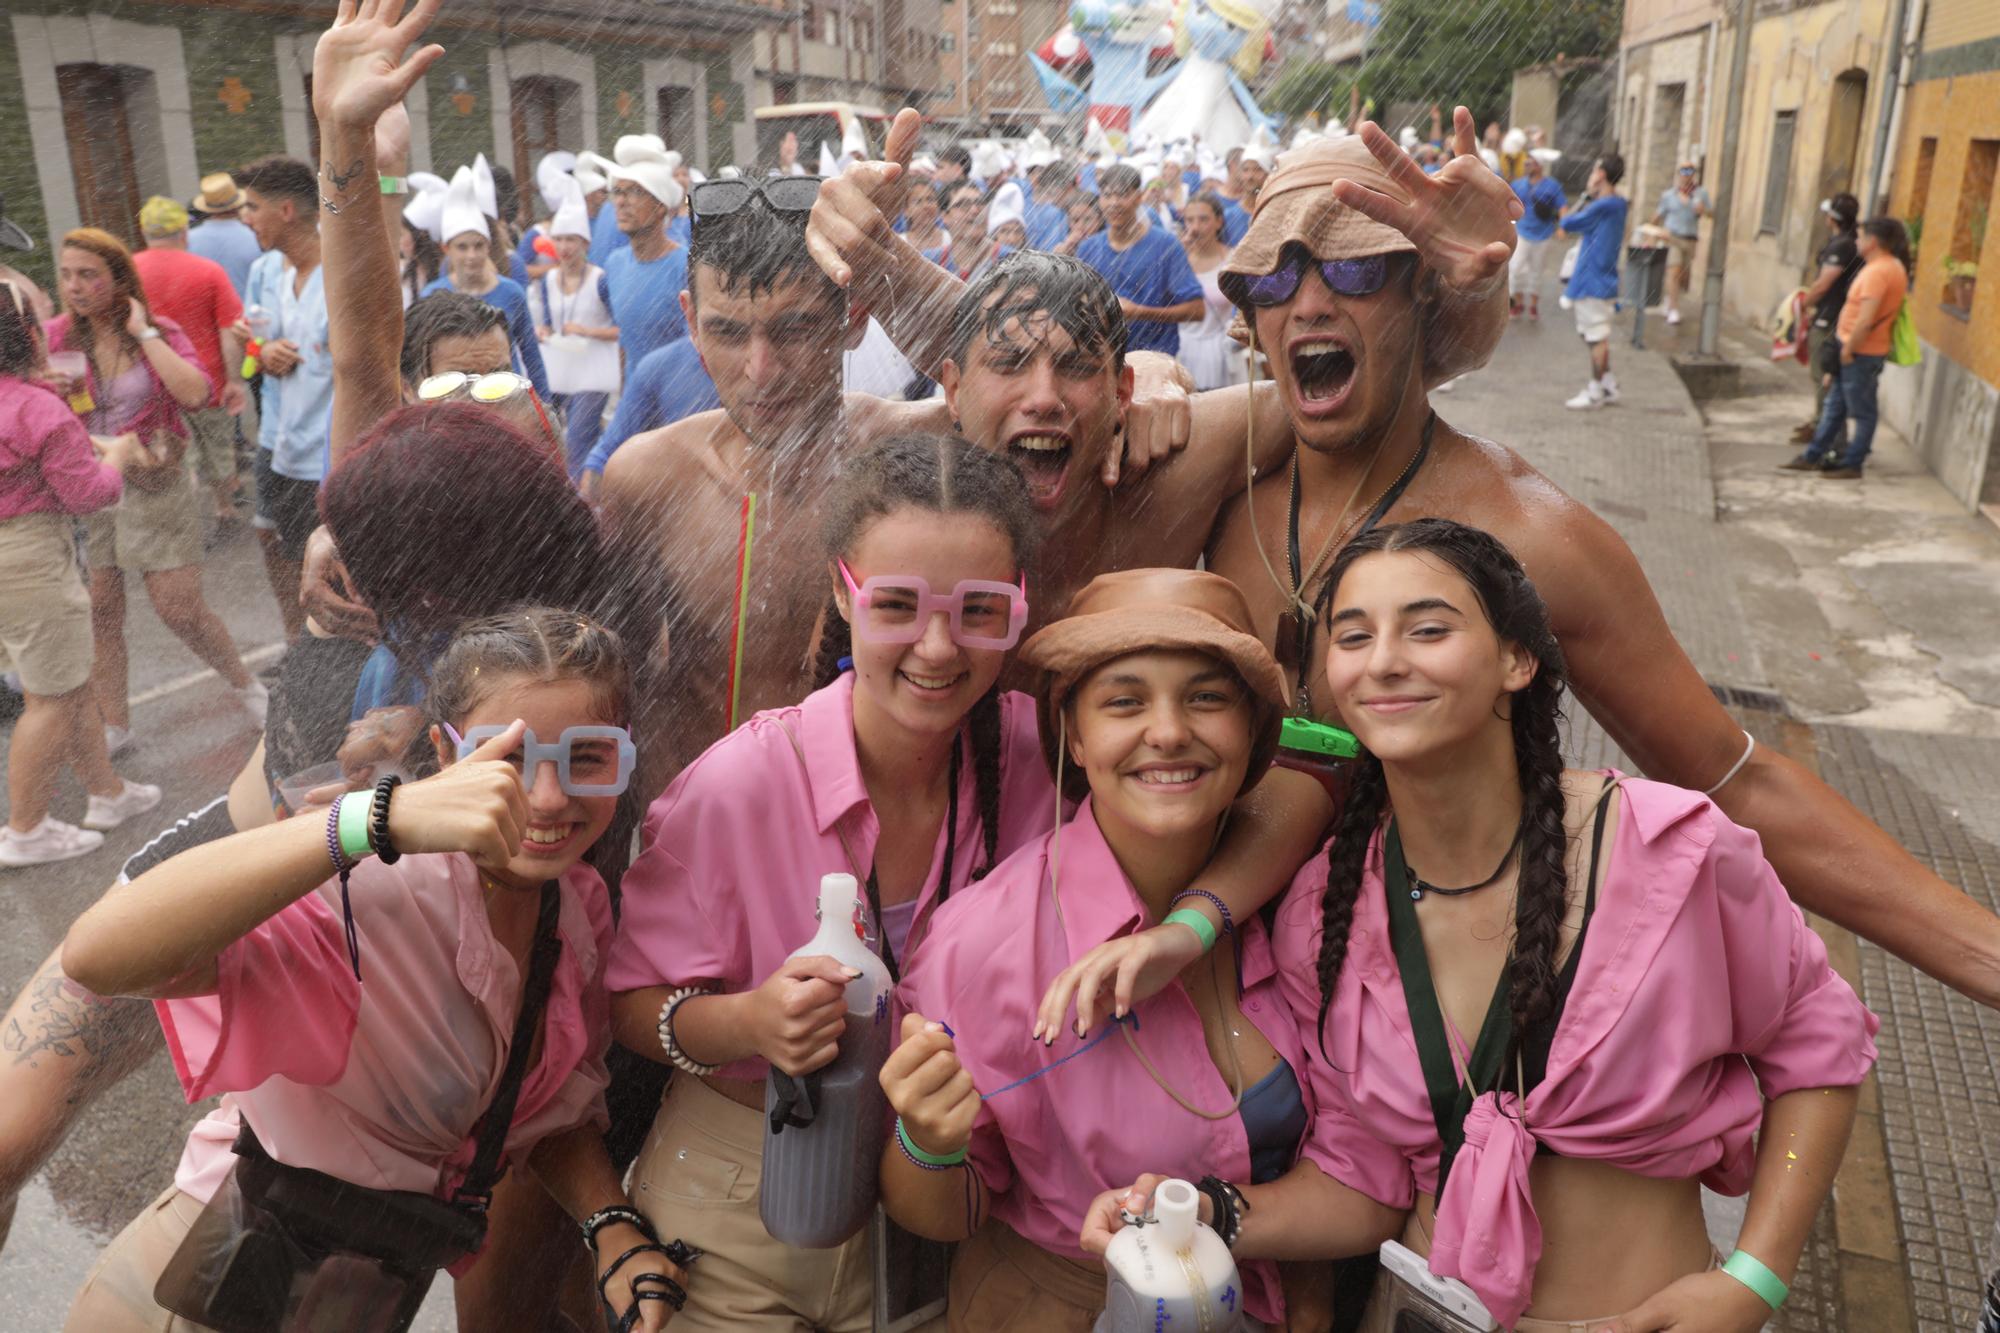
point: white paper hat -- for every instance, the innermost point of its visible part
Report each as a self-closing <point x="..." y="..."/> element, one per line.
<point x="827" y="166"/>
<point x="571" y="218"/>
<point x="852" y="143"/>
<point x="632" y="148"/>
<point x="1408" y="138"/>
<point x="550" y="173"/>
<point x="1513" y="141"/>
<point x="462" y="212"/>
<point x="1009" y="205"/>
<point x="425" y="209"/>
<point x="923" y="164"/>
<point x="419" y="181"/>
<point x="730" y="173"/>
<point x="644" y="160"/>
<point x="1548" y="157"/>
<point x="589" y="172"/>
<point x="1038" y="151"/>
<point x="695" y="174"/>
<point x="989" y="159"/>
<point x="482" y="187"/>
<point x="1095" y="144"/>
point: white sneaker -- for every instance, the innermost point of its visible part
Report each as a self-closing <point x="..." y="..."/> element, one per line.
<point x="1609" y="385"/>
<point x="256" y="701"/>
<point x="116" y="739"/>
<point x="1673" y="317"/>
<point x="108" y="812"/>
<point x="50" y="840"/>
<point x="1592" y="396"/>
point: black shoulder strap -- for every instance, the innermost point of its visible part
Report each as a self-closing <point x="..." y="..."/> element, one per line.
<point x="477" y="1187"/>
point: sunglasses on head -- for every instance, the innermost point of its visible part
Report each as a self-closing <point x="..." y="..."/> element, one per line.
<point x="1344" y="277"/>
<point x="785" y="194"/>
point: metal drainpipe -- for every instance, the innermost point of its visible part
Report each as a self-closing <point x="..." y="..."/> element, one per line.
<point x="1732" y="122"/>
<point x="1892" y="102"/>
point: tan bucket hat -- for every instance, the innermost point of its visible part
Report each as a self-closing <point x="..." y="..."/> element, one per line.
<point x="1297" y="205"/>
<point x="1142" y="610"/>
<point x="220" y="194"/>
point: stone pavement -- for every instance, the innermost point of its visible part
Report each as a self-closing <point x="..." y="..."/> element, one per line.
<point x="1855" y="626"/>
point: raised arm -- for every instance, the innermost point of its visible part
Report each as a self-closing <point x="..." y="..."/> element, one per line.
<point x="362" y="69"/>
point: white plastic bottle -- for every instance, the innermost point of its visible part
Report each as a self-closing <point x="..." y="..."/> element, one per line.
<point x="1171" y="1273"/>
<point x="819" y="1182"/>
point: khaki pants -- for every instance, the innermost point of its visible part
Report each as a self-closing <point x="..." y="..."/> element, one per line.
<point x="697" y="1178"/>
<point x="117" y="1296"/>
<point x="1002" y="1283"/>
<point x="44" y="606"/>
<point x="213" y="445"/>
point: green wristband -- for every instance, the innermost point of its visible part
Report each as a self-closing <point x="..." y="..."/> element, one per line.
<point x="922" y="1157"/>
<point x="354" y="842"/>
<point x="1746" y="1268"/>
<point x="1203" y="928"/>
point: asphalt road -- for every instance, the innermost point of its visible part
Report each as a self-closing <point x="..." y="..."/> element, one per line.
<point x="190" y="738"/>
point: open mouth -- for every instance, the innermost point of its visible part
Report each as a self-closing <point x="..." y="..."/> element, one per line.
<point x="1170" y="778"/>
<point x="931" y="685"/>
<point x="1044" y="462"/>
<point x="1323" y="372"/>
<point x="545" y="841"/>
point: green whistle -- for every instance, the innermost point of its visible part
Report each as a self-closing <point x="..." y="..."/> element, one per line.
<point x="1310" y="737"/>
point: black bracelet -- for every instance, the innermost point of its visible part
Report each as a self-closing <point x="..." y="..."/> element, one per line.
<point x="378" y="822"/>
<point x="1221" y="907"/>
<point x="1229" y="1205"/>
<point x="617" y="1212"/>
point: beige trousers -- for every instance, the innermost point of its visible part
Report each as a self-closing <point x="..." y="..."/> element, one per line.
<point x="117" y="1295"/>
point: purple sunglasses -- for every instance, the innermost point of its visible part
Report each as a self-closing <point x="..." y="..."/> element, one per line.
<point x="1344" y="277"/>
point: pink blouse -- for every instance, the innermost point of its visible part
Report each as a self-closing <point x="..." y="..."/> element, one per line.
<point x="381" y="1082"/>
<point x="1047" y="1148"/>
<point x="162" y="412"/>
<point x="46" y="463"/>
<point x="729" y="882"/>
<point x="1700" y="993"/>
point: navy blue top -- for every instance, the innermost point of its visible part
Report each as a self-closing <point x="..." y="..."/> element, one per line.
<point x="1152" y="271"/>
<point x="1274" y="1120"/>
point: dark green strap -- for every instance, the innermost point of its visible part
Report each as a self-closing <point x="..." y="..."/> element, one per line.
<point x="1451" y="1099"/>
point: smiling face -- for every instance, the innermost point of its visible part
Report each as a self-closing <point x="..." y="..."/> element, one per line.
<point x="1164" y="738"/>
<point x="1415" y="667"/>
<point x="1119" y="206"/>
<point x="561" y="827"/>
<point x="775" y="357"/>
<point x="1343" y="363"/>
<point x="927" y="687"/>
<point x="1029" y="391"/>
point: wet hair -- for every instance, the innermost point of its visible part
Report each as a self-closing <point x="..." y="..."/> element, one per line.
<point x="1029" y="283"/>
<point x="426" y="259"/>
<point x="442" y="315"/>
<point x="946" y="476"/>
<point x="280" y="177"/>
<point x="125" y="287"/>
<point x="446" y="512"/>
<point x="1613" y="166"/>
<point x="17" y="331"/>
<point x="547" y="643"/>
<point x="1518" y="615"/>
<point x="1893" y="236"/>
<point x="1119" y="179"/>
<point x="752" y="251"/>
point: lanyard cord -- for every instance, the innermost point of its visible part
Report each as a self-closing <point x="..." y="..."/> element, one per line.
<point x="944" y="874"/>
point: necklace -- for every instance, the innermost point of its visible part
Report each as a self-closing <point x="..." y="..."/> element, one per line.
<point x="1419" y="886"/>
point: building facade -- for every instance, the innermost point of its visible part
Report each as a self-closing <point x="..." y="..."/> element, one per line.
<point x="123" y="101"/>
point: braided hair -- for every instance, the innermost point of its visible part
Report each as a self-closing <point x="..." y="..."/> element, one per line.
<point x="1517" y="614"/>
<point x="945" y="475"/>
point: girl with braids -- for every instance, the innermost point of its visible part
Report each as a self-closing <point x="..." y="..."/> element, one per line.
<point x="1159" y="707"/>
<point x="907" y="767"/>
<point x="1547" y="1006"/>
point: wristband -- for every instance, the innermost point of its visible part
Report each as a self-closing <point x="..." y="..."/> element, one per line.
<point x="929" y="1161"/>
<point x="1748" y="1270"/>
<point x="1203" y="928"/>
<point x="617" y="1212"/>
<point x="1221" y="907"/>
<point x="395" y="185"/>
<point x="378" y="821"/>
<point x="353" y="823"/>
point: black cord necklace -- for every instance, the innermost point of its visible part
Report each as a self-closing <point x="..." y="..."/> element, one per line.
<point x="1419" y="886"/>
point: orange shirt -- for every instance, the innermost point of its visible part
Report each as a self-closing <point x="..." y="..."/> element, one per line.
<point x="1882" y="277"/>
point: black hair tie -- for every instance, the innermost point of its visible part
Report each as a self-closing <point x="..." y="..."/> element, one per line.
<point x="378" y="823"/>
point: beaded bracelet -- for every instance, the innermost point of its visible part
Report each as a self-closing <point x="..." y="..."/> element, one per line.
<point x="1203" y="928"/>
<point x="617" y="1212"/>
<point x="1751" y="1272"/>
<point x="378" y="825"/>
<point x="334" y="851"/>
<point x="677" y="1057"/>
<point x="922" y="1159"/>
<point x="1221" y="907"/>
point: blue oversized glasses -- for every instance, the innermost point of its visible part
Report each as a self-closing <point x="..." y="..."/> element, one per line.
<point x="590" y="761"/>
<point x="1344" y="277"/>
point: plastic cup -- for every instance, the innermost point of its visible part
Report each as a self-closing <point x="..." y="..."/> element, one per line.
<point x="73" y="364"/>
<point x="296" y="790"/>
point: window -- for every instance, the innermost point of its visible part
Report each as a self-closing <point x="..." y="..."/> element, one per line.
<point x="947" y="41"/>
<point x="1779" y="176"/>
<point x="536" y="103"/>
<point x="1968" y="229"/>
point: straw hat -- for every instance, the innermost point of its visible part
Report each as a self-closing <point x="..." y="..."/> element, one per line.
<point x="1152" y="610"/>
<point x="220" y="194"/>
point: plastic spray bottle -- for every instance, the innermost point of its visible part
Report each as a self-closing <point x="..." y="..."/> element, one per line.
<point x="824" y="1132"/>
<point x="1172" y="1272"/>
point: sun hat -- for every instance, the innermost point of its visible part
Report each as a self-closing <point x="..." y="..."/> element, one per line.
<point x="1297" y="206"/>
<point x="220" y="194"/>
<point x="1149" y="610"/>
<point x="160" y="216"/>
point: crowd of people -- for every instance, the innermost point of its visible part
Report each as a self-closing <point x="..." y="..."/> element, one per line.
<point x="931" y="546"/>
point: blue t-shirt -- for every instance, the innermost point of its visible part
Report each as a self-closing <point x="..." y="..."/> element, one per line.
<point x="605" y="238"/>
<point x="648" y="300"/>
<point x="669" y="384"/>
<point x="1235" y="219"/>
<point x="1601" y="223"/>
<point x="680" y="229"/>
<point x="296" y="410"/>
<point x="1153" y="271"/>
<point x="1048" y="226"/>
<point x="511" y="300"/>
<point x="229" y="243"/>
<point x="1544" y="191"/>
<point x="524" y="253"/>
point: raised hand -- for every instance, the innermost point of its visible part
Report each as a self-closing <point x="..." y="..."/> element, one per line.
<point x="1461" y="220"/>
<point x="853" y="221"/>
<point x="363" y="64"/>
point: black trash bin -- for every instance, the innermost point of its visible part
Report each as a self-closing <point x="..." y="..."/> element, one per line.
<point x="1645" y="275"/>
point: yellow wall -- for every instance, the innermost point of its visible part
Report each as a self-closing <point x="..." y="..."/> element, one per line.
<point x="1956" y="22"/>
<point x="1650" y="20"/>
<point x="1954" y="111"/>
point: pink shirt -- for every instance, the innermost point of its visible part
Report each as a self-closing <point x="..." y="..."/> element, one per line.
<point x="1699" y="994"/>
<point x="382" y="1082"/>
<point x="46" y="463"/>
<point x="735" y="847"/>
<point x="162" y="413"/>
<point x="1048" y="1148"/>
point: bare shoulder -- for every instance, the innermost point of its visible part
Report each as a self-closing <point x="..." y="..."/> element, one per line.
<point x="1552" y="533"/>
<point x="870" y="418"/>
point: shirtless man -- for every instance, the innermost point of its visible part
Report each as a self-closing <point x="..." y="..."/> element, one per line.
<point x="1346" y="333"/>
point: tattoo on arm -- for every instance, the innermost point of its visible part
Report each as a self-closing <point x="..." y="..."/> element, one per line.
<point x="340" y="180"/>
<point x="57" y="1017"/>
